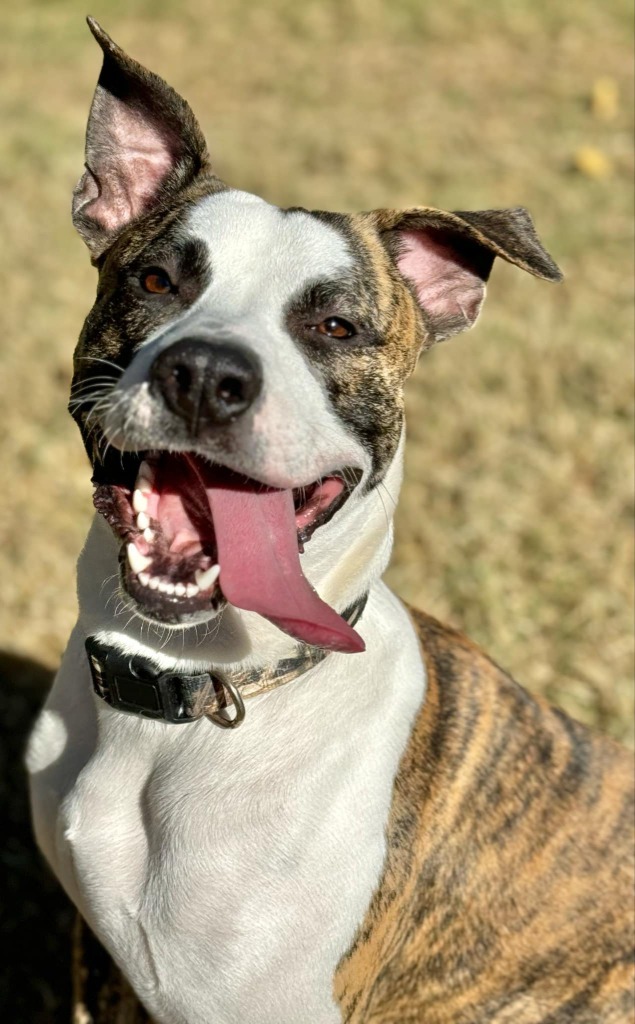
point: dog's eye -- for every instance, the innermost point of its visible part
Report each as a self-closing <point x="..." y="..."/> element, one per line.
<point x="336" y="327"/>
<point x="155" y="281"/>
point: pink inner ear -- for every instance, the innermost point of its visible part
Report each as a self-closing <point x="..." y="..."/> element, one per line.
<point x="130" y="172"/>
<point x="447" y="290"/>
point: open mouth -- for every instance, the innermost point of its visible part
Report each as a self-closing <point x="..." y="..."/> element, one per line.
<point x="195" y="534"/>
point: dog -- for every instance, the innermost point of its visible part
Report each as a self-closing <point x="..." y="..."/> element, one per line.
<point x="275" y="794"/>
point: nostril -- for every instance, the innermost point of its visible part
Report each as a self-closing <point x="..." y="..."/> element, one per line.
<point x="231" y="390"/>
<point x="182" y="377"/>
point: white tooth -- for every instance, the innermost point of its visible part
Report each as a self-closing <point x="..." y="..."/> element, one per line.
<point x="138" y="562"/>
<point x="163" y="586"/>
<point x="207" y="578"/>
<point x="139" y="501"/>
<point x="143" y="520"/>
<point x="149" y="535"/>
<point x="154" y="583"/>
<point x="179" y="590"/>
<point x="191" y="590"/>
<point x="144" y="578"/>
<point x="145" y="478"/>
<point x="170" y="588"/>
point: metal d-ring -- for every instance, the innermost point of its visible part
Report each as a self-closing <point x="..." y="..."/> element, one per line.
<point x="221" y="717"/>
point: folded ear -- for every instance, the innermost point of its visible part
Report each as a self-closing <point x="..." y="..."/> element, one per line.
<point x="143" y="144"/>
<point x="447" y="258"/>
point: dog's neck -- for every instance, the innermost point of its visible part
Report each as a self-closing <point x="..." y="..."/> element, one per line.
<point x="342" y="572"/>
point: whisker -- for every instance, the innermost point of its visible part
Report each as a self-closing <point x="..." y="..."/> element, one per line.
<point x="100" y="378"/>
<point x="99" y="359"/>
<point x="107" y="580"/>
<point x="390" y="496"/>
<point x="383" y="505"/>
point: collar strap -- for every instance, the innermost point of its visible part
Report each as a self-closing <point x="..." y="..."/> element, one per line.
<point x="132" y="683"/>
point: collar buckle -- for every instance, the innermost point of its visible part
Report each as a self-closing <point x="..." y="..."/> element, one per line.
<point x="169" y="697"/>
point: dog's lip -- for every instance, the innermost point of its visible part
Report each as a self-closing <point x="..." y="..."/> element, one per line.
<point x="166" y="589"/>
<point x="121" y="467"/>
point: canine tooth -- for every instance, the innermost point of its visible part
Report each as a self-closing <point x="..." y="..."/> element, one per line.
<point x="139" y="501"/>
<point x="138" y="562"/>
<point x="191" y="589"/>
<point x="144" y="578"/>
<point x="179" y="589"/>
<point x="145" y="477"/>
<point x="206" y="579"/>
<point x="149" y="535"/>
<point x="143" y="520"/>
<point x="154" y="583"/>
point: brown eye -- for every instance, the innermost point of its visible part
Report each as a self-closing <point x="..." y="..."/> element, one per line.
<point x="156" y="282"/>
<point x="335" y="327"/>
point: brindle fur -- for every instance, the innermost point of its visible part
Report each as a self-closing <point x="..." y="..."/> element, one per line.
<point x="506" y="895"/>
<point x="507" y="889"/>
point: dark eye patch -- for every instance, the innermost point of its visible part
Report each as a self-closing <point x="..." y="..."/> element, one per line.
<point x="166" y="270"/>
<point x="329" y="312"/>
<point x="125" y="312"/>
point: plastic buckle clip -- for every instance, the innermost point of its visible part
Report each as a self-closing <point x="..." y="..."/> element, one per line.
<point x="123" y="684"/>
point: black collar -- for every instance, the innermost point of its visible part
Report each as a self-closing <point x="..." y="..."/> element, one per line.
<point x="134" y="685"/>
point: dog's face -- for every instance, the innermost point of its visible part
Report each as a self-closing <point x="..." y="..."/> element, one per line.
<point x="239" y="380"/>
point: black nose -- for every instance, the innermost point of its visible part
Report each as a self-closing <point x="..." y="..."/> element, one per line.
<point x="205" y="383"/>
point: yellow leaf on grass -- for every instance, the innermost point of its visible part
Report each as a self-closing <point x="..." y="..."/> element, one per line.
<point x="605" y="98"/>
<point x="592" y="162"/>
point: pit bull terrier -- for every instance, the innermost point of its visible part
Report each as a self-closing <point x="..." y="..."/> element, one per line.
<point x="275" y="794"/>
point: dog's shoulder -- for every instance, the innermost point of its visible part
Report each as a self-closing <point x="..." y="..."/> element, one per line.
<point x="477" y="715"/>
<point x="507" y="888"/>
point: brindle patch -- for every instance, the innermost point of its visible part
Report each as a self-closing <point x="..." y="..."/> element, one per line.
<point x="363" y="376"/>
<point x="123" y="315"/>
<point x="506" y="896"/>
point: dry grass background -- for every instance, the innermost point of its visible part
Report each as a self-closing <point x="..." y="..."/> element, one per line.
<point x="515" y="521"/>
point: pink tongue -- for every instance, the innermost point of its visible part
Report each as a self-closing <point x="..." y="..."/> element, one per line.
<point x="260" y="569"/>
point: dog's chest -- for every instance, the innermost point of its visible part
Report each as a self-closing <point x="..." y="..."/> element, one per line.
<point x="228" y="872"/>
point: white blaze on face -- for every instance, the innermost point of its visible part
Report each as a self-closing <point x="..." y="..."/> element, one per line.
<point x="262" y="258"/>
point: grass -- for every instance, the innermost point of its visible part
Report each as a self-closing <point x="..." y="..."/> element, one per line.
<point x="516" y="516"/>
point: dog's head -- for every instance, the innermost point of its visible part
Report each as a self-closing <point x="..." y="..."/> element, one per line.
<point x="239" y="380"/>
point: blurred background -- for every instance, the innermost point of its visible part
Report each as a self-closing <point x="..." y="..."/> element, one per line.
<point x="516" y="517"/>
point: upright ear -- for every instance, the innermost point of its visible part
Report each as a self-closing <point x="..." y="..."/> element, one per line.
<point x="447" y="258"/>
<point x="143" y="144"/>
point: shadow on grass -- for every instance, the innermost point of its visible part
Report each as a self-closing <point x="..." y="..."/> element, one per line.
<point x="36" y="920"/>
